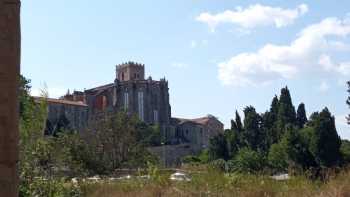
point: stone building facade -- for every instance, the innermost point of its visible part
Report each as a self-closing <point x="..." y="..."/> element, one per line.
<point x="61" y="112"/>
<point x="135" y="94"/>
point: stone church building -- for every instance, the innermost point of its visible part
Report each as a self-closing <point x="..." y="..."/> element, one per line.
<point x="135" y="94"/>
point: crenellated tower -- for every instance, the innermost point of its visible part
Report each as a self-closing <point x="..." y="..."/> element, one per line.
<point x="130" y="71"/>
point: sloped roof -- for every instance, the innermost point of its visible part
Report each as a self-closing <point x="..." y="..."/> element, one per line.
<point x="61" y="101"/>
<point x="201" y="121"/>
<point x="101" y="88"/>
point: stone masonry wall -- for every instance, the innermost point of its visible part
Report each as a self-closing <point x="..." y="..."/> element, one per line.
<point x="171" y="155"/>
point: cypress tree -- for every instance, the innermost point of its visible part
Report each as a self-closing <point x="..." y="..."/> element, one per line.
<point x="253" y="133"/>
<point x="286" y="112"/>
<point x="233" y="125"/>
<point x="274" y="107"/>
<point x="301" y="115"/>
<point x="239" y="122"/>
<point x="218" y="148"/>
<point x="325" y="142"/>
<point x="269" y="120"/>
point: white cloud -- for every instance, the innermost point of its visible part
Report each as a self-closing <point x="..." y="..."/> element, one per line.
<point x="324" y="87"/>
<point x="254" y="16"/>
<point x="310" y="51"/>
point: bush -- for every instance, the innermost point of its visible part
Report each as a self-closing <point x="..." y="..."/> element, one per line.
<point x="345" y="151"/>
<point x="219" y="164"/>
<point x="191" y="159"/>
<point x="277" y="158"/>
<point x="204" y="156"/>
<point x="247" y="161"/>
<point x="51" y="187"/>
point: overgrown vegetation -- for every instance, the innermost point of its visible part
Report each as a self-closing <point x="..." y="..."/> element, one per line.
<point x="209" y="182"/>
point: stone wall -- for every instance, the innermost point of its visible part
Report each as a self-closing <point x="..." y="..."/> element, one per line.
<point x="171" y="155"/>
<point x="75" y="113"/>
<point x="155" y="98"/>
<point x="130" y="71"/>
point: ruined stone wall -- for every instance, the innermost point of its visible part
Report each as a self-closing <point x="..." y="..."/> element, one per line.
<point x="76" y="115"/>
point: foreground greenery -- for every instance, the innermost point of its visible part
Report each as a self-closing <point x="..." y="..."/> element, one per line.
<point x="209" y="182"/>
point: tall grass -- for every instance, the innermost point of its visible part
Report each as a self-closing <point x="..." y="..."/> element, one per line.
<point x="213" y="183"/>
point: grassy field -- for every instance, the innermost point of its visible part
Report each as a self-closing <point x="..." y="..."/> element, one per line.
<point x="213" y="183"/>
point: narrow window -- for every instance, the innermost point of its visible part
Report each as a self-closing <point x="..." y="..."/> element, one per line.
<point x="114" y="96"/>
<point x="155" y="116"/>
<point x="140" y="105"/>
<point x="126" y="100"/>
<point x="104" y="102"/>
<point x="122" y="76"/>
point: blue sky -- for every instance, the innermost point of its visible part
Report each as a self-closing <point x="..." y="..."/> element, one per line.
<point x="218" y="55"/>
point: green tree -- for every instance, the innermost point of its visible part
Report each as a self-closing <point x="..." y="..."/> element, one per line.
<point x="297" y="148"/>
<point x="278" y="158"/>
<point x="325" y="142"/>
<point x="301" y="116"/>
<point x="274" y="107"/>
<point x="113" y="143"/>
<point x="286" y="112"/>
<point x="236" y="124"/>
<point x="149" y="135"/>
<point x="26" y="102"/>
<point x="269" y="120"/>
<point x="253" y="134"/>
<point x="345" y="151"/>
<point x="233" y="142"/>
<point x="218" y="148"/>
<point x="247" y="161"/>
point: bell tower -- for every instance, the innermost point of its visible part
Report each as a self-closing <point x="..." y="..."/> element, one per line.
<point x="130" y="71"/>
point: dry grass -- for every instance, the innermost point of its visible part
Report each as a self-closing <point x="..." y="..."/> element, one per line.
<point x="217" y="184"/>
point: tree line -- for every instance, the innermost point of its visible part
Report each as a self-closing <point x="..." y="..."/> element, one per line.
<point x="282" y="139"/>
